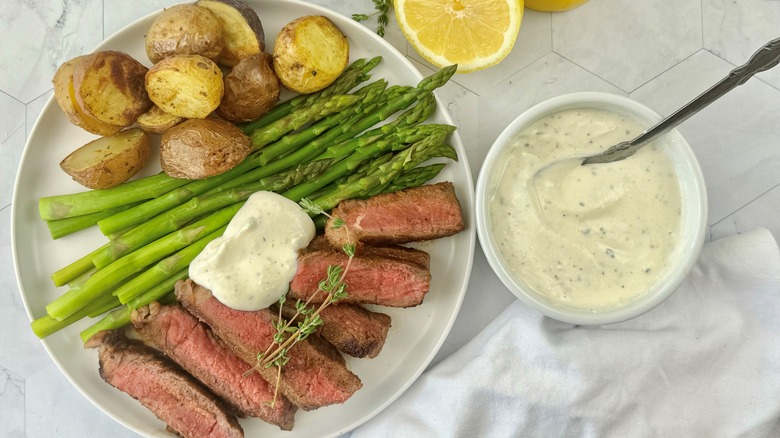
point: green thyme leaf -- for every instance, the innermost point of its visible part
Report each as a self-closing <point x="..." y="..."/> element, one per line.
<point x="349" y="249"/>
<point x="310" y="207"/>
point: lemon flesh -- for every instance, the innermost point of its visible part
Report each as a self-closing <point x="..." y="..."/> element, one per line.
<point x="475" y="34"/>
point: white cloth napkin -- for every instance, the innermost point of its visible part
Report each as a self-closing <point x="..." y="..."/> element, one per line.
<point x="705" y="363"/>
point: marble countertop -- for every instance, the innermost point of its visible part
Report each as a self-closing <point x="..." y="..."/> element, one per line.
<point x="661" y="53"/>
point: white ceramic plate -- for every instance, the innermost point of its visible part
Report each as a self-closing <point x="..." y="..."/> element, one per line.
<point x="416" y="333"/>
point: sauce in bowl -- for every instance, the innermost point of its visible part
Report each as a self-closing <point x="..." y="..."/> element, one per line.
<point x="589" y="238"/>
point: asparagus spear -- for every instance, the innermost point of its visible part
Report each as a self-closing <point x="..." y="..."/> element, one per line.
<point x="302" y="117"/>
<point x="371" y="93"/>
<point x="46" y="325"/>
<point x="412" y="178"/>
<point x="379" y="177"/>
<point x="102" y="281"/>
<point x="120" y="317"/>
<point x="78" y="204"/>
<point x="413" y="116"/>
<point x="75" y="269"/>
<point x="395" y="141"/>
<point x="63" y="227"/>
<point x="165" y="268"/>
<point x="355" y="73"/>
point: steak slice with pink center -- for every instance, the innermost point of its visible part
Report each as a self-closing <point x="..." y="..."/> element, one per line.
<point x="316" y="374"/>
<point x="175" y="397"/>
<point x="191" y="344"/>
<point x="370" y="279"/>
<point x="412" y="215"/>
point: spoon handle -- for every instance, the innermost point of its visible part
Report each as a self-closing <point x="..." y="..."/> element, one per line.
<point x="765" y="58"/>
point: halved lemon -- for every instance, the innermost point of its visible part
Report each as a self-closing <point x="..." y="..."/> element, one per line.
<point x="475" y="34"/>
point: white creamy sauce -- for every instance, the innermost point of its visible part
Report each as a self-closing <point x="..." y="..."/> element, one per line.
<point x="585" y="237"/>
<point x="251" y="265"/>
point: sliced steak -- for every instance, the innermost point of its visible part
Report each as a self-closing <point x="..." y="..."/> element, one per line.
<point x="192" y="345"/>
<point x="174" y="396"/>
<point x="370" y="279"/>
<point x="416" y="256"/>
<point x="421" y="213"/>
<point x="352" y="329"/>
<point x="316" y="374"/>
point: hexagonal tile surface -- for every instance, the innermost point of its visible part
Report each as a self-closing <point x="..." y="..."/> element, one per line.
<point x="735" y="139"/>
<point x="45" y="35"/>
<point x="734" y="30"/>
<point x="12" y="137"/>
<point x="11" y="396"/>
<point x="628" y="43"/>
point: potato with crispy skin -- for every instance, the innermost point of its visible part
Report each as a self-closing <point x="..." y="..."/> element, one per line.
<point x="310" y="53"/>
<point x="244" y="35"/>
<point x="109" y="86"/>
<point x="251" y="89"/>
<point x="108" y="161"/>
<point x="184" y="29"/>
<point x="188" y="86"/>
<point x="65" y="95"/>
<point x="157" y="121"/>
<point x="200" y="148"/>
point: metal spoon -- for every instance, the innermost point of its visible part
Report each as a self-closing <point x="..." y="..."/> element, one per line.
<point x="765" y="58"/>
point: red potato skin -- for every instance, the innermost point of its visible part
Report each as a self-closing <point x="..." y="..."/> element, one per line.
<point x="251" y="89"/>
<point x="200" y="148"/>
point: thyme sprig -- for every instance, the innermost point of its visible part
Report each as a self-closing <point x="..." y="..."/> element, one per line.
<point x="306" y="319"/>
<point x="382" y="9"/>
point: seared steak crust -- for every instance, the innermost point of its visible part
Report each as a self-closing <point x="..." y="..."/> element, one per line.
<point x="420" y="213"/>
<point x="352" y="329"/>
<point x="192" y="345"/>
<point x="316" y="374"/>
<point x="174" y="396"/>
<point x="372" y="278"/>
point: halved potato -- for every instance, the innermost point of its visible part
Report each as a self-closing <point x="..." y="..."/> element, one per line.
<point x="109" y="86"/>
<point x="184" y="29"/>
<point x="65" y="95"/>
<point x="199" y="148"/>
<point x="244" y="35"/>
<point x="188" y="86"/>
<point x="310" y="53"/>
<point x="251" y="89"/>
<point x="108" y="161"/>
<point x="157" y="121"/>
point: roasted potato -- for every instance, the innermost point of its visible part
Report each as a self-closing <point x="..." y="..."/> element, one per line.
<point x="157" y="121"/>
<point x="185" y="29"/>
<point x="310" y="53"/>
<point x="251" y="89"/>
<point x="188" y="86"/>
<point x="244" y="35"/>
<point x="200" y="148"/>
<point x="108" y="161"/>
<point x="109" y="86"/>
<point x="65" y="95"/>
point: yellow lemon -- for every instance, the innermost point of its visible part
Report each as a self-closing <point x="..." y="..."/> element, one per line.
<point x="553" y="5"/>
<point x="474" y="34"/>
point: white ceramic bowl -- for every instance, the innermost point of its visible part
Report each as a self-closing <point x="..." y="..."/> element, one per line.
<point x="694" y="210"/>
